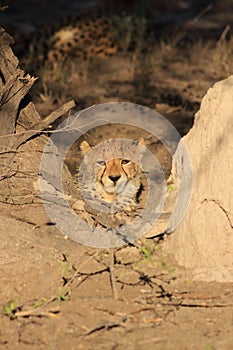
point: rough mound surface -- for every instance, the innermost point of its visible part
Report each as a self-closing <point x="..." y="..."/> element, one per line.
<point x="203" y="241"/>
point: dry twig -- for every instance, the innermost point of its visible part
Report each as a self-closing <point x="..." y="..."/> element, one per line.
<point x="112" y="274"/>
<point x="106" y="326"/>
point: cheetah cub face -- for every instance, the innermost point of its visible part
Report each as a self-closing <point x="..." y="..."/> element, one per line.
<point x="116" y="179"/>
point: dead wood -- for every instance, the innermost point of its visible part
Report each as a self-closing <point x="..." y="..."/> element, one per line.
<point x="14" y="85"/>
<point x="21" y="131"/>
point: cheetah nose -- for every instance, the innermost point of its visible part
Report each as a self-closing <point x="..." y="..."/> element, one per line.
<point x="114" y="178"/>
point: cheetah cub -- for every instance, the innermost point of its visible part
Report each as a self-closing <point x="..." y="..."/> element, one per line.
<point x="109" y="174"/>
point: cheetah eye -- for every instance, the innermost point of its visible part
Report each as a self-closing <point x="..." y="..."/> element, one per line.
<point x="125" y="161"/>
<point x="101" y="162"/>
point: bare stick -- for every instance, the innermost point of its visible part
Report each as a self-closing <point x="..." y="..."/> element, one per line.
<point x="50" y="119"/>
<point x="45" y="123"/>
<point x="223" y="35"/>
<point x="112" y="274"/>
<point x="202" y="13"/>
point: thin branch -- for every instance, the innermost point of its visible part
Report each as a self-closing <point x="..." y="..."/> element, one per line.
<point x="52" y="117"/>
<point x="106" y="326"/>
<point x="112" y="274"/>
<point x="45" y="123"/>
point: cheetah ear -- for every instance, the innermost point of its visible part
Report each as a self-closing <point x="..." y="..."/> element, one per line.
<point x="141" y="141"/>
<point x="85" y="148"/>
